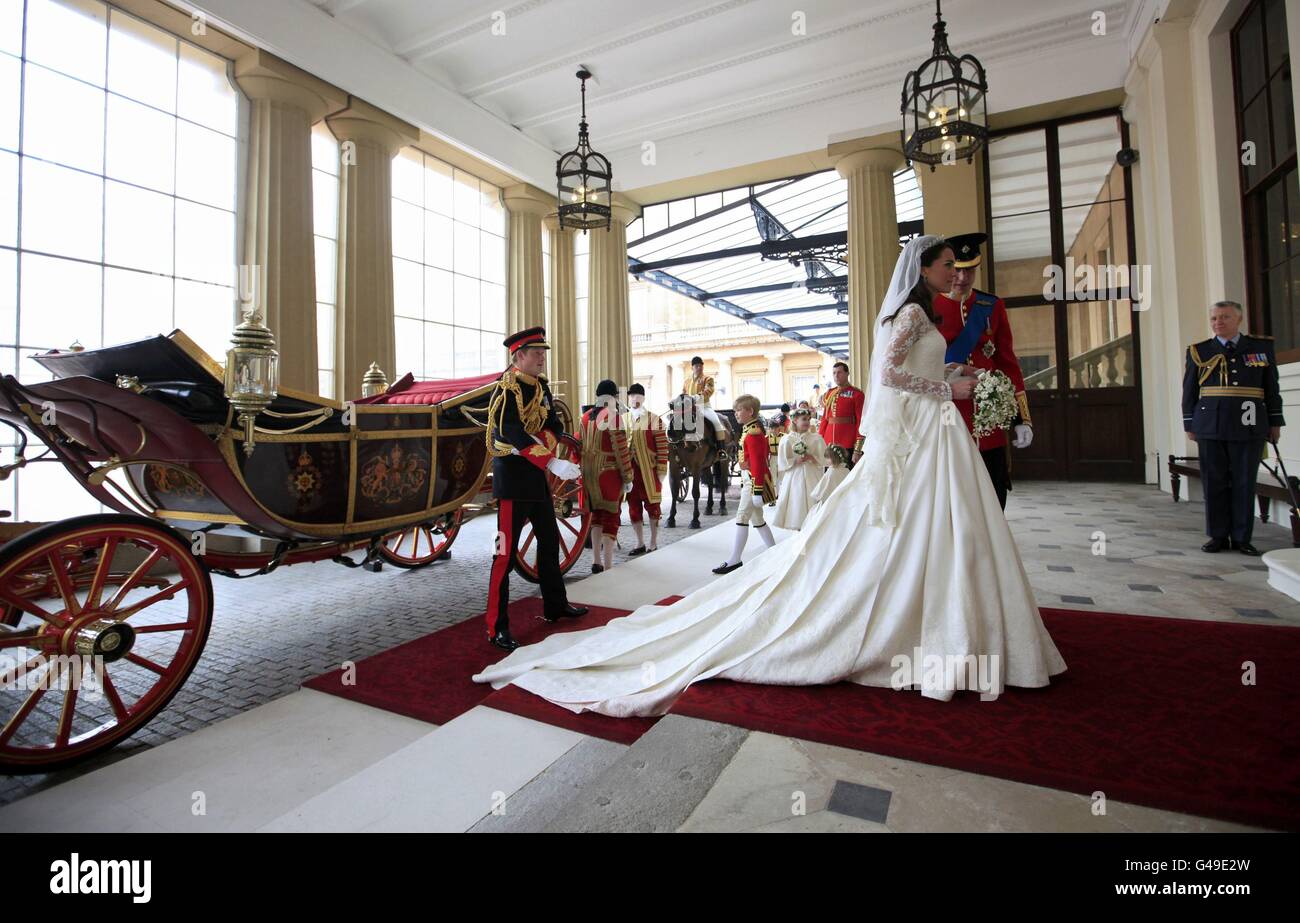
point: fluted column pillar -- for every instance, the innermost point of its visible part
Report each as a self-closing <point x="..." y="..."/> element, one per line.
<point x="873" y="246"/>
<point x="776" y="378"/>
<point x="525" y="299"/>
<point x="277" y="224"/>
<point x="368" y="140"/>
<point x="562" y="364"/>
<point x="609" y="325"/>
<point x="724" y="394"/>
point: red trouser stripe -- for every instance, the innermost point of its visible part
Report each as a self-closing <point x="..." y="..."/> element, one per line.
<point x="500" y="560"/>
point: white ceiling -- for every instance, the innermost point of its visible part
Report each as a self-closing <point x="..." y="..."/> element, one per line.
<point x="712" y="85"/>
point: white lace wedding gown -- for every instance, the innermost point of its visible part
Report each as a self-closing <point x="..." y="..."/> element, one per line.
<point x="841" y="598"/>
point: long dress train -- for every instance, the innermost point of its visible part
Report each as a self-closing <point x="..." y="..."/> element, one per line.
<point x="919" y="565"/>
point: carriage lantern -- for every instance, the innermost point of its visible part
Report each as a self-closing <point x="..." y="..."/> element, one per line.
<point x="374" y="381"/>
<point x="945" y="116"/>
<point x="583" y="179"/>
<point x="252" y="371"/>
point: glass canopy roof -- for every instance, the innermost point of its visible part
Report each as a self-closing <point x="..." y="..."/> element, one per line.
<point x="694" y="235"/>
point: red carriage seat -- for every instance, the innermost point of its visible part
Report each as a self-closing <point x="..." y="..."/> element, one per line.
<point x="406" y="390"/>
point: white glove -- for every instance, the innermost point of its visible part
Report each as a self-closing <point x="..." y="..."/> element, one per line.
<point x="627" y="487"/>
<point x="756" y="499"/>
<point x="1024" y="436"/>
<point x="564" y="470"/>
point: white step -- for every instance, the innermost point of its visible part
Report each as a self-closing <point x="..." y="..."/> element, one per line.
<point x="1284" y="571"/>
<point x="249" y="769"/>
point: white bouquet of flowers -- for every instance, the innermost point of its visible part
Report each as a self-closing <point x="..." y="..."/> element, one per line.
<point x="799" y="448"/>
<point x="995" y="403"/>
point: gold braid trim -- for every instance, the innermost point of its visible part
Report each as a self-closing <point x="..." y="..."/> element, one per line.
<point x="532" y="414"/>
<point x="1217" y="361"/>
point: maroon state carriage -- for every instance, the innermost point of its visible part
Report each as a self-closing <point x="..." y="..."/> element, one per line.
<point x="146" y="428"/>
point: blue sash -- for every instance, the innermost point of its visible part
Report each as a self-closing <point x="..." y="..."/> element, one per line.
<point x="977" y="320"/>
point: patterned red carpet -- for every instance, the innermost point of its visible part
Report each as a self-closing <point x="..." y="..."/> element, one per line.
<point x="1152" y="710"/>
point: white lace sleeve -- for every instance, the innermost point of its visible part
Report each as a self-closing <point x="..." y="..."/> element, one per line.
<point x="907" y="327"/>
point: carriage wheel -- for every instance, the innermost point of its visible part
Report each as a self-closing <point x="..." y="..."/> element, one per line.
<point x="572" y="515"/>
<point x="681" y="483"/>
<point x="422" y="544"/>
<point x="113" y="612"/>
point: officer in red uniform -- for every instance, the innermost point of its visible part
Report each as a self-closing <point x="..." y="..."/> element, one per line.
<point x="523" y="432"/>
<point x="978" y="332"/>
<point x="842" y="412"/>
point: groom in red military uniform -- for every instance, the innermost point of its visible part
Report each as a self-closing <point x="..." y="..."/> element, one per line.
<point x="842" y="412"/>
<point x="978" y="332"/>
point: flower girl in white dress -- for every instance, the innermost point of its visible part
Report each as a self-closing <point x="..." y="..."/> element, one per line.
<point x="800" y="456"/>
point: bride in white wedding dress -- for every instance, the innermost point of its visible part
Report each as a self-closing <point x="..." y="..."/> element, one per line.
<point x="907" y="576"/>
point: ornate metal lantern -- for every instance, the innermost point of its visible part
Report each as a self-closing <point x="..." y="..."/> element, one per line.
<point x="252" y="371"/>
<point x="583" y="177"/>
<point x="374" y="381"/>
<point x="945" y="116"/>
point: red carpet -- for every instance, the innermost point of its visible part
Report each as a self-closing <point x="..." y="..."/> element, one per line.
<point x="429" y="678"/>
<point x="1151" y="711"/>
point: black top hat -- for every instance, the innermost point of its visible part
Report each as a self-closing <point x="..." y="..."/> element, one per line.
<point x="606" y="387"/>
<point x="966" y="248"/>
<point x="533" y="336"/>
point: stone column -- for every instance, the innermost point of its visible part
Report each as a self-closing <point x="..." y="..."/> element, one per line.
<point x="609" y="328"/>
<point x="368" y="141"/>
<point x="873" y="245"/>
<point x="776" y="378"/>
<point x="525" y="300"/>
<point x="725" y="393"/>
<point x="562" y="364"/>
<point x="277" y="226"/>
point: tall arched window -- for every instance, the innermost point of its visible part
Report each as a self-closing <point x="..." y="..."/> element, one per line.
<point x="118" y="185"/>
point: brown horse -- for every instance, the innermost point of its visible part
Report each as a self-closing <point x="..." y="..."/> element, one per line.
<point x="694" y="456"/>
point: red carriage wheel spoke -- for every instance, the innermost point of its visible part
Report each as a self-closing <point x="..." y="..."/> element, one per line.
<point x="129" y="583"/>
<point x="166" y="592"/>
<point x="147" y="664"/>
<point x="114" y="698"/>
<point x="101" y="572"/>
<point x="14" y="723"/>
<point x="11" y="676"/>
<point x="29" y="607"/>
<point x="174" y="626"/>
<point x="69" y="706"/>
<point x="572" y="528"/>
<point x="523" y="549"/>
<point x="64" y="583"/>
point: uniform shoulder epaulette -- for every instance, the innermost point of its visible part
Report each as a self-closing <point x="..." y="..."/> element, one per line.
<point x="984" y="298"/>
<point x="754" y="424"/>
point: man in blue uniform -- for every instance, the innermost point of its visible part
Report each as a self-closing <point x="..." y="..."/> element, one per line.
<point x="1231" y="405"/>
<point x="522" y="435"/>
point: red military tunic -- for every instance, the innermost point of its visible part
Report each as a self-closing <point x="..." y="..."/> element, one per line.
<point x="994" y="350"/>
<point x="841" y="416"/>
<point x="606" y="465"/>
<point x="753" y="459"/>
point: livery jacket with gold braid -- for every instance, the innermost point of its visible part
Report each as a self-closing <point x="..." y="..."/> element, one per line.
<point x="647" y="440"/>
<point x="522" y="435"/>
<point x="1232" y="394"/>
<point x="753" y="459"/>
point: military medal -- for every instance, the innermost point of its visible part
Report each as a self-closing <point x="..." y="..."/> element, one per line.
<point x="989" y="349"/>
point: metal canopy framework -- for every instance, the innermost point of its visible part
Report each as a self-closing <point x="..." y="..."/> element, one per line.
<point x="771" y="254"/>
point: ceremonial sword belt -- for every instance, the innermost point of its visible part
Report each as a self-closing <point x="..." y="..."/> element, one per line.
<point x="1231" y="391"/>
